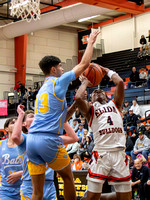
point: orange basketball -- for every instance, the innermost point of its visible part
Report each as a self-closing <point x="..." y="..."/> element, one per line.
<point x="94" y="74"/>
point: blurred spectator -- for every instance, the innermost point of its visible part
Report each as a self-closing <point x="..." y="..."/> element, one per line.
<point x="77" y="163"/>
<point x="2" y="135"/>
<point x="142" y="146"/>
<point x="85" y="133"/>
<point x="30" y="99"/>
<point x="143" y="77"/>
<point x="80" y="132"/>
<point x="147" y="132"/>
<point x="129" y="144"/>
<point x="23" y="90"/>
<point x="131" y="122"/>
<point x="16" y="90"/>
<point x="134" y="78"/>
<point x="136" y="108"/>
<point x="140" y="127"/>
<point x="84" y="122"/>
<point x="140" y="54"/>
<point x="143" y="40"/>
<point x="88" y="148"/>
<point x="142" y="159"/>
<point x="147" y="187"/>
<point x="74" y="124"/>
<point x="35" y="91"/>
<point x="72" y="149"/>
<point x="139" y="177"/>
<point x="124" y="118"/>
<point x="126" y="106"/>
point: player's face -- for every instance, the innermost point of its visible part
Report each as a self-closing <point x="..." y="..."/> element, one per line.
<point x="11" y="126"/>
<point x="29" y="120"/>
<point x="59" y="70"/>
<point x="99" y="95"/>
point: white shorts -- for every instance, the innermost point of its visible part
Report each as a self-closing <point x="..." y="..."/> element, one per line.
<point x="111" y="166"/>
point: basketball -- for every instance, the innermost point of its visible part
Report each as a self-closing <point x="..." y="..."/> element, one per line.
<point x="94" y="74"/>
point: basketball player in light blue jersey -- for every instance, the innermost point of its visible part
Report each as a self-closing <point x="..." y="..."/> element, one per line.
<point x="10" y="166"/>
<point x="43" y="143"/>
<point x="26" y="118"/>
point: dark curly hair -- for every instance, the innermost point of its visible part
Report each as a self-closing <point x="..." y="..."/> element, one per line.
<point x="47" y="63"/>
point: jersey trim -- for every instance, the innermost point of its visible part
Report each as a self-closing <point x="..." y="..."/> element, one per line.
<point x="116" y="106"/>
<point x="61" y="117"/>
<point x="21" y="156"/>
<point x="49" y="79"/>
<point x="0" y="142"/>
<point x="92" y="115"/>
<point x="54" y="91"/>
<point x="108" y="178"/>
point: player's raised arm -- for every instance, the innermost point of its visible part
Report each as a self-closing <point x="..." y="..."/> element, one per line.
<point x="119" y="90"/>
<point x="85" y="61"/>
<point x="82" y="104"/>
<point x="16" y="135"/>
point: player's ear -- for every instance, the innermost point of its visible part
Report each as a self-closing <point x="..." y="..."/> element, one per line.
<point x="53" y="70"/>
<point x="6" y="129"/>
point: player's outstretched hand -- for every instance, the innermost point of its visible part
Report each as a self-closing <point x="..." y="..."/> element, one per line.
<point x="12" y="178"/>
<point x="84" y="80"/>
<point x="93" y="36"/>
<point x="20" y="109"/>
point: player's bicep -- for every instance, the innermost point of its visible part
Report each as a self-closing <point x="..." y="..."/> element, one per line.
<point x="62" y="83"/>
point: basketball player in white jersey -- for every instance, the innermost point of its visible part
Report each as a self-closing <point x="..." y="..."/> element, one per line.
<point x="108" y="161"/>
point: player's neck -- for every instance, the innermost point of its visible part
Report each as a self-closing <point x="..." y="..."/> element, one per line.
<point x="10" y="142"/>
<point x="51" y="74"/>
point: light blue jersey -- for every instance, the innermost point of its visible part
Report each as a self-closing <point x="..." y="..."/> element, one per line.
<point x="9" y="163"/>
<point x="26" y="187"/>
<point x="50" y="106"/>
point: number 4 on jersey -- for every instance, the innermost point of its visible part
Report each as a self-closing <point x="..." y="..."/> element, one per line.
<point x="109" y="121"/>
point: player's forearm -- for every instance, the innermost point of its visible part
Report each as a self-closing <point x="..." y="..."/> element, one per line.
<point x="86" y="59"/>
<point x="70" y="111"/>
<point x="16" y="135"/>
<point x="80" y="91"/>
<point x="117" y="80"/>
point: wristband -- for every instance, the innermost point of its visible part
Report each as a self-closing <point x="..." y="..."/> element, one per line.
<point x="110" y="73"/>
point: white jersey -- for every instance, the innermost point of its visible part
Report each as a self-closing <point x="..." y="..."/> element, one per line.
<point x="107" y="126"/>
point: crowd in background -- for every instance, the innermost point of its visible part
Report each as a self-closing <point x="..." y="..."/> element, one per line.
<point x="25" y="96"/>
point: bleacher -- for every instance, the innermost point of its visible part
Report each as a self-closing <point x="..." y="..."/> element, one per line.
<point x="122" y="62"/>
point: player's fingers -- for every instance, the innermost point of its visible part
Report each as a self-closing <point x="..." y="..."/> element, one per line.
<point x="9" y="181"/>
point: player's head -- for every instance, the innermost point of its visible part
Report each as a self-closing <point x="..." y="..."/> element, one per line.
<point x="28" y="119"/>
<point x="51" y="65"/>
<point x="9" y="124"/>
<point x="99" y="95"/>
